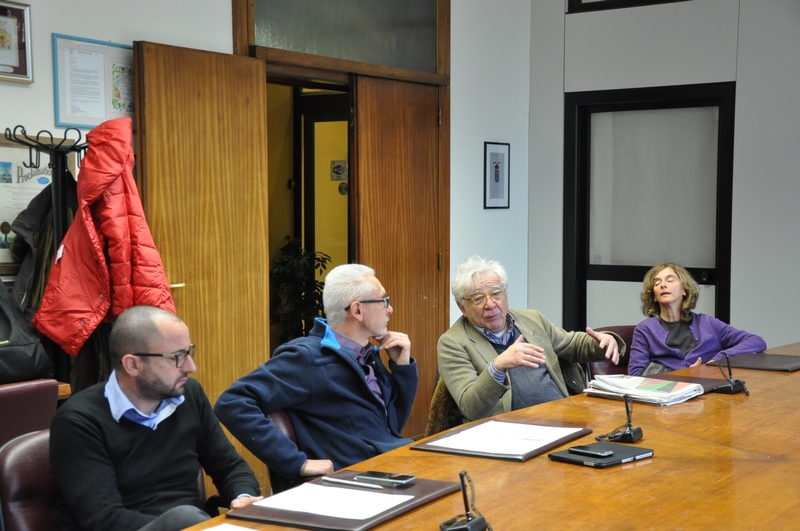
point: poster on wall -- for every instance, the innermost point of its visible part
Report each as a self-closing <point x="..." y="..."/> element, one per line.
<point x="20" y="182"/>
<point x="18" y="185"/>
<point x="93" y="81"/>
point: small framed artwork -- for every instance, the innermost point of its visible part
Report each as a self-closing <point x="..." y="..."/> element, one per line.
<point x="93" y="81"/>
<point x="15" y="42"/>
<point x="495" y="179"/>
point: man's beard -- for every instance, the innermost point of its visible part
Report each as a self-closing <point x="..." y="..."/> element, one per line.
<point x="153" y="388"/>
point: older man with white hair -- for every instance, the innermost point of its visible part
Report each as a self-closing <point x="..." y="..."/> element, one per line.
<point x="344" y="404"/>
<point x="494" y="360"/>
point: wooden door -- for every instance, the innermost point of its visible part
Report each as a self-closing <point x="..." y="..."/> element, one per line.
<point x="397" y="230"/>
<point x="202" y="168"/>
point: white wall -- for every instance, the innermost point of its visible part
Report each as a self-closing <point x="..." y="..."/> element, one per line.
<point x="546" y="167"/>
<point x="489" y="102"/>
<point x="766" y="172"/>
<point x="201" y="24"/>
<point x="649" y="46"/>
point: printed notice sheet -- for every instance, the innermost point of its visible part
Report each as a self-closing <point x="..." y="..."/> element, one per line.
<point x="354" y="504"/>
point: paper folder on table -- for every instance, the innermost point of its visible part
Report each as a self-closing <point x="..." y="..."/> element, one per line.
<point x="513" y="441"/>
<point x="765" y="361"/>
<point x="415" y="494"/>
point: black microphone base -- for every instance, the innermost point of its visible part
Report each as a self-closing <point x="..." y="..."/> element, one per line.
<point x="631" y="435"/>
<point x="731" y="389"/>
<point x="476" y="523"/>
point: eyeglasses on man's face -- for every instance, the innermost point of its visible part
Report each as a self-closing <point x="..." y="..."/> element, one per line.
<point x="384" y="300"/>
<point x="180" y="356"/>
<point x="479" y="299"/>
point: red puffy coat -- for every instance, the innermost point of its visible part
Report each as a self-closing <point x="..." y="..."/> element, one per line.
<point x="107" y="261"/>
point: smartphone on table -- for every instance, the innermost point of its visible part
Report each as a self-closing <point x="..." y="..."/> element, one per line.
<point x="588" y="450"/>
<point x="384" y="479"/>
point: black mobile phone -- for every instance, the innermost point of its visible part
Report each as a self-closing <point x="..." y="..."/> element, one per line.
<point x="588" y="450"/>
<point x="384" y="478"/>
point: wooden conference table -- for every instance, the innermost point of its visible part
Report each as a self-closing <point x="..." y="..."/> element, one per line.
<point x="721" y="462"/>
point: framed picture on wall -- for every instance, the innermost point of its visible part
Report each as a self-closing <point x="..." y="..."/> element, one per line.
<point x="93" y="81"/>
<point x="496" y="156"/>
<point x="15" y="42"/>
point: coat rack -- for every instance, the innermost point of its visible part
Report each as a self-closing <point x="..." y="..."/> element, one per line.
<point x="44" y="142"/>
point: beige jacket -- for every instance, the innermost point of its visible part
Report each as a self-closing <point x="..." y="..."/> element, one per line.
<point x="464" y="354"/>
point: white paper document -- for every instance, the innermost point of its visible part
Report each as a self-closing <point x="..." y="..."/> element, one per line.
<point x="504" y="438"/>
<point x="355" y="504"/>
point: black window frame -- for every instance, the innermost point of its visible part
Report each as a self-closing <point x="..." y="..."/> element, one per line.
<point x="578" y="107"/>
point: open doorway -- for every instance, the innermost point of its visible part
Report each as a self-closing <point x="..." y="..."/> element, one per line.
<point x="309" y="178"/>
<point x="321" y="194"/>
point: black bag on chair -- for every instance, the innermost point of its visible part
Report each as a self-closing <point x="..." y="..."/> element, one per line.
<point x="22" y="356"/>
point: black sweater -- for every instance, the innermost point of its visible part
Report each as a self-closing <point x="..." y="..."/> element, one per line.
<point x="120" y="476"/>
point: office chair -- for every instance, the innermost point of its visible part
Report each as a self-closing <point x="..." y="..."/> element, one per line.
<point x="605" y="366"/>
<point x="26" y="407"/>
<point x="277" y="482"/>
<point x="444" y="413"/>
<point x="27" y="485"/>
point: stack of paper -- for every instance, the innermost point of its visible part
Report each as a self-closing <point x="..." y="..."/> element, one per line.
<point x="643" y="389"/>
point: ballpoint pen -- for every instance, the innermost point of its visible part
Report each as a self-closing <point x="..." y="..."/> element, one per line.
<point x="351" y="483"/>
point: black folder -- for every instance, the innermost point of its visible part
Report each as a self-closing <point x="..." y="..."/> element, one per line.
<point x="765" y="362"/>
<point x="623" y="453"/>
<point x="423" y="490"/>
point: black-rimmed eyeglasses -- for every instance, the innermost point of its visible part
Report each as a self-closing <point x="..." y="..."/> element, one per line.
<point x="384" y="300"/>
<point x="180" y="356"/>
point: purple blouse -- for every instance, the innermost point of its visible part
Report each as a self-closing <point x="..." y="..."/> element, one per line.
<point x="713" y="337"/>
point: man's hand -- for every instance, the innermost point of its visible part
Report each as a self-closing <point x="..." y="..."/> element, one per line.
<point x="316" y="467"/>
<point x="397" y="346"/>
<point x="697" y="363"/>
<point x="244" y="501"/>
<point x="520" y="354"/>
<point x="607" y="342"/>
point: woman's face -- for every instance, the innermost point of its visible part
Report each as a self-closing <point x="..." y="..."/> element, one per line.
<point x="668" y="289"/>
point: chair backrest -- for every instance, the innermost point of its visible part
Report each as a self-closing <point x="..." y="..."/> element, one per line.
<point x="444" y="413"/>
<point x="26" y="407"/>
<point x="27" y="485"/>
<point x="277" y="482"/>
<point x="605" y="366"/>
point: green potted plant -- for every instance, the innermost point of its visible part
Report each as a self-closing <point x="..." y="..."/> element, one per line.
<point x="296" y="289"/>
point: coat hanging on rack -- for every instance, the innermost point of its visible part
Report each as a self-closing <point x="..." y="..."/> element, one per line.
<point x="107" y="260"/>
<point x="33" y="246"/>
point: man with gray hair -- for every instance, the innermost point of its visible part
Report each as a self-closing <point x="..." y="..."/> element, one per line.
<point x="344" y="404"/>
<point x="493" y="360"/>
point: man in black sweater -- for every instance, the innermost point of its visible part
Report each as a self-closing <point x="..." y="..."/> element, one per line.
<point x="126" y="453"/>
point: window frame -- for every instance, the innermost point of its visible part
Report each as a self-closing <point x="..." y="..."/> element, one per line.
<point x="578" y="108"/>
